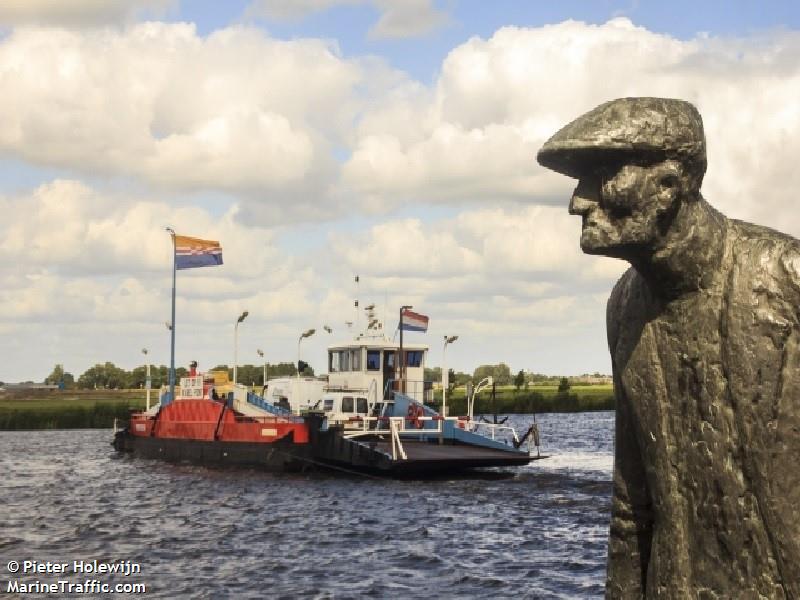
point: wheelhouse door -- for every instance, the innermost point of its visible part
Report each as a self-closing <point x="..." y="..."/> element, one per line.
<point x="388" y="372"/>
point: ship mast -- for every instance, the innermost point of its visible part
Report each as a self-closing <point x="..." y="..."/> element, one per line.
<point x="401" y="362"/>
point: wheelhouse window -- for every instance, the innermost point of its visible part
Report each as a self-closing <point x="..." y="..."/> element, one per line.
<point x="373" y="360"/>
<point x="347" y="404"/>
<point x="344" y="360"/>
<point x="355" y="360"/>
<point x="361" y="406"/>
<point x="414" y="358"/>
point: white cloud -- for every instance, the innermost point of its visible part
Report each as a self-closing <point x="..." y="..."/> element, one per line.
<point x="398" y="18"/>
<point x="291" y="10"/>
<point x="228" y="112"/>
<point x="65" y="232"/>
<point x="407" y="18"/>
<point x="86" y="277"/>
<point x="474" y="137"/>
<point x="407" y="248"/>
<point x="158" y="102"/>
<point x="474" y="248"/>
<point x="79" y="13"/>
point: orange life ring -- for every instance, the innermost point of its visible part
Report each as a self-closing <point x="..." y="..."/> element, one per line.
<point x="415" y="411"/>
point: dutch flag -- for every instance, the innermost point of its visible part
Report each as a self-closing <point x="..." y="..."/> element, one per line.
<point x="411" y="321"/>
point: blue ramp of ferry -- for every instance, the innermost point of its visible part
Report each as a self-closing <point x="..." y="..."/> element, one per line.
<point x="258" y="401"/>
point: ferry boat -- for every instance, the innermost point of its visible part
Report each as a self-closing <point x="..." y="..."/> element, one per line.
<point x="369" y="415"/>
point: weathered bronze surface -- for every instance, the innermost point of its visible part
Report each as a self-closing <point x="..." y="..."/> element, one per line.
<point x="704" y="335"/>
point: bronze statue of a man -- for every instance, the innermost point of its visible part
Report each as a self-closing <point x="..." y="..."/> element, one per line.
<point x="704" y="335"/>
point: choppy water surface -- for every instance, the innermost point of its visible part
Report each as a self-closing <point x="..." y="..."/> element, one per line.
<point x="540" y="533"/>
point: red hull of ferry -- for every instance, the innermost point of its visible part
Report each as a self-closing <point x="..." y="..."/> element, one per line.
<point x="208" y="420"/>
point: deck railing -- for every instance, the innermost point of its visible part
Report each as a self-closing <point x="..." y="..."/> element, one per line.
<point x="493" y="429"/>
<point x="403" y="427"/>
<point x="362" y="425"/>
<point x="268" y="419"/>
<point x="395" y="423"/>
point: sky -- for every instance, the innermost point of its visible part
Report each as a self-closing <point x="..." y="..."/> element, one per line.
<point x="318" y="140"/>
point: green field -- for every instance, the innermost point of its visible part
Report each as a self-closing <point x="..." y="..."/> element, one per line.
<point x="69" y="409"/>
<point x="537" y="398"/>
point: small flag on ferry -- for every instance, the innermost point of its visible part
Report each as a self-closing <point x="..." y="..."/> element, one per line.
<point x="411" y="321"/>
<point x="193" y="252"/>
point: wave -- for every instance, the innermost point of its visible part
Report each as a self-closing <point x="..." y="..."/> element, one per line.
<point x="581" y="461"/>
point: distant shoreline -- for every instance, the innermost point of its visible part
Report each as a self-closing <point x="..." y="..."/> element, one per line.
<point x="33" y="410"/>
<point x="534" y="399"/>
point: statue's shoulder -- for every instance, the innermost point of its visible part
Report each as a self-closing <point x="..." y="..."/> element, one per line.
<point x="772" y="257"/>
<point x="629" y="299"/>
<point x="628" y="291"/>
<point x="761" y="235"/>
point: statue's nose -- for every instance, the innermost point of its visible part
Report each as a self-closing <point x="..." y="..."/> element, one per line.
<point x="580" y="206"/>
<point x="585" y="197"/>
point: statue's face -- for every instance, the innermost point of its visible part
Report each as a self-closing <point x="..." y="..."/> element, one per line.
<point x="626" y="208"/>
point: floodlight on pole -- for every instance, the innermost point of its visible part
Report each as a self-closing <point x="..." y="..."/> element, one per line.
<point x="445" y="374"/>
<point x="260" y="352"/>
<point x="241" y="318"/>
<point x="305" y="334"/>
<point x="484" y="383"/>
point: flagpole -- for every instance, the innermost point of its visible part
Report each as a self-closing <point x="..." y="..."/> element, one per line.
<point x="400" y="354"/>
<point x="401" y="362"/>
<point x="172" y="323"/>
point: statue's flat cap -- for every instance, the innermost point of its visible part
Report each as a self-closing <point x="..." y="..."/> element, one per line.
<point x="625" y="129"/>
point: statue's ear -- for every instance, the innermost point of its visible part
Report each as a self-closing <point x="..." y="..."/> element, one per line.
<point x="689" y="179"/>
<point x="671" y="184"/>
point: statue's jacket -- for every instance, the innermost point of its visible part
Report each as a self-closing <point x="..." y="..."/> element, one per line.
<point x="707" y="459"/>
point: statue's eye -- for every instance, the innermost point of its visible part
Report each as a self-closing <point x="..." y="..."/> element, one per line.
<point x="616" y="201"/>
<point x="619" y="211"/>
<point x="668" y="181"/>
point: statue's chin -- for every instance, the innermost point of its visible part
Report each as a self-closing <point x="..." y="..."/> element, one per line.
<point x="592" y="245"/>
<point x="592" y="249"/>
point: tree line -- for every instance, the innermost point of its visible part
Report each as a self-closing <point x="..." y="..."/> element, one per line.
<point x="502" y="376"/>
<point x="500" y="372"/>
<point x="109" y="376"/>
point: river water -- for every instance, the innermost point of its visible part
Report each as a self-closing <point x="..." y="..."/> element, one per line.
<point x="535" y="532"/>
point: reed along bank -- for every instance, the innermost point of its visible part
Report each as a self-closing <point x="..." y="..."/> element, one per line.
<point x="97" y="409"/>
